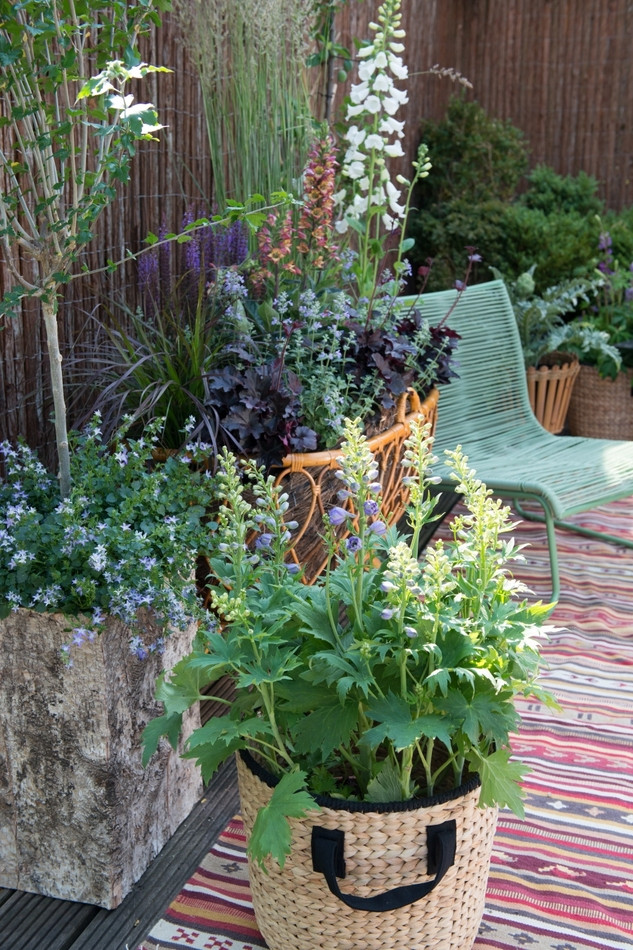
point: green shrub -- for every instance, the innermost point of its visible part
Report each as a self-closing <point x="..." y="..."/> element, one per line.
<point x="552" y="193"/>
<point x="561" y="246"/>
<point x="471" y="199"/>
<point x="473" y="155"/>
<point x="509" y="237"/>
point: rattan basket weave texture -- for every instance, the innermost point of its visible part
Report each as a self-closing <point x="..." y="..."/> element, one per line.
<point x="310" y="482"/>
<point x="601" y="408"/>
<point x="550" y="388"/>
<point x="383" y="849"/>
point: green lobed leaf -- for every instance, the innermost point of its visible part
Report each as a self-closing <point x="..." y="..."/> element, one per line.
<point x="271" y="834"/>
<point x="209" y="758"/>
<point x="168" y="725"/>
<point x="486" y="713"/>
<point x="397" y="724"/>
<point x="182" y="689"/>
<point x="500" y="780"/>
<point x="326" y="728"/>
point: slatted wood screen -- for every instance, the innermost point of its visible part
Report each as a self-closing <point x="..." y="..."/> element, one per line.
<point x="560" y="70"/>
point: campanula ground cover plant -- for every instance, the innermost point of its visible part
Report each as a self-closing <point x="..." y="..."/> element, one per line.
<point x="125" y="539"/>
<point x="391" y="677"/>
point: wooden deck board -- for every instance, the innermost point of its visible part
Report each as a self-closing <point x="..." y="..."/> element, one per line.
<point x="34" y="922"/>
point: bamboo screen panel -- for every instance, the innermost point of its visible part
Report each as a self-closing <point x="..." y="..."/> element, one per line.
<point x="560" y="70"/>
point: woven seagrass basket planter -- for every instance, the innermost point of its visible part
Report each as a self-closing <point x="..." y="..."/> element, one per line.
<point x="550" y="387"/>
<point x="415" y="873"/>
<point x="311" y="484"/>
<point x="601" y="408"/>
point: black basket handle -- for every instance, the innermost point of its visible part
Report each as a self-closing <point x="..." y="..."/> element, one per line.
<point x="327" y="857"/>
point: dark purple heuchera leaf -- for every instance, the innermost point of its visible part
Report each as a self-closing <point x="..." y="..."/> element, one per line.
<point x="261" y="410"/>
<point x="398" y="360"/>
<point x="222" y="380"/>
<point x="304" y="439"/>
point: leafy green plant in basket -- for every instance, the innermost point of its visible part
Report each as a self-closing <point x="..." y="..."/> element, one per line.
<point x="538" y="316"/>
<point x="604" y="329"/>
<point x="612" y="308"/>
<point x="389" y="678"/>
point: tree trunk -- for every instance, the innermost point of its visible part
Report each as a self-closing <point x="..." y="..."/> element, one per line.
<point x="49" y="310"/>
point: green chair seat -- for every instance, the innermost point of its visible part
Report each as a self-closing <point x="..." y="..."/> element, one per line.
<point x="488" y="413"/>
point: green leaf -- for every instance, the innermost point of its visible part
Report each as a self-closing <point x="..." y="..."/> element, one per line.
<point x="168" y="725"/>
<point x="485" y="713"/>
<point x="219" y="738"/>
<point x="271" y="834"/>
<point x="455" y="647"/>
<point x="407" y="244"/>
<point x="8" y="54"/>
<point x="209" y="758"/>
<point x="500" y="780"/>
<point x="386" y="785"/>
<point x="316" y="616"/>
<point x="181" y="690"/>
<point x="396" y="724"/>
<point x="222" y="730"/>
<point x="274" y="666"/>
<point x="326" y="728"/>
<point x="359" y="226"/>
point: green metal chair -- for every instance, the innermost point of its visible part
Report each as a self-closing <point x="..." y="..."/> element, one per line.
<point x="488" y="413"/>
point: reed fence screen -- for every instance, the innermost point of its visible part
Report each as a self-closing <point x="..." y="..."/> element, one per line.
<point x="560" y="70"/>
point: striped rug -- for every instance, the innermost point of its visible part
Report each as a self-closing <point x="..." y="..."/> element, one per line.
<point x="563" y="878"/>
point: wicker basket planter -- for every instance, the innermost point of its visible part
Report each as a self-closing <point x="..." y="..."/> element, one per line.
<point x="311" y="484"/>
<point x="601" y="408"/>
<point x="408" y="886"/>
<point x="80" y="818"/>
<point x="550" y="387"/>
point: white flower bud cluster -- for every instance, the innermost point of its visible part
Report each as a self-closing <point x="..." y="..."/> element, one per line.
<point x="402" y="573"/>
<point x="374" y="102"/>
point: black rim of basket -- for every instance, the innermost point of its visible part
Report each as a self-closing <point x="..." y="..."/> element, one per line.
<point x="342" y="804"/>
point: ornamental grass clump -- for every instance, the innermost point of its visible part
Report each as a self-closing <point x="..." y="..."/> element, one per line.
<point x="154" y="362"/>
<point x="390" y="678"/>
<point x="124" y="541"/>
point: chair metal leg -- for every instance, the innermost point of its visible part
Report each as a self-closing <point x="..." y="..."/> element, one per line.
<point x="553" y="523"/>
<point x="550" y="525"/>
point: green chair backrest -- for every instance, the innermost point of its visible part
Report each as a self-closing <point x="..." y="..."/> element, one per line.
<point x="489" y="400"/>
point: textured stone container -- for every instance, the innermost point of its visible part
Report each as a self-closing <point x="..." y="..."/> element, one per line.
<point x="80" y="818"/>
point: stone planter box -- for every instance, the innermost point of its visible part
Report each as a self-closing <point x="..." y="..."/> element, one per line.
<point x="80" y="818"/>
